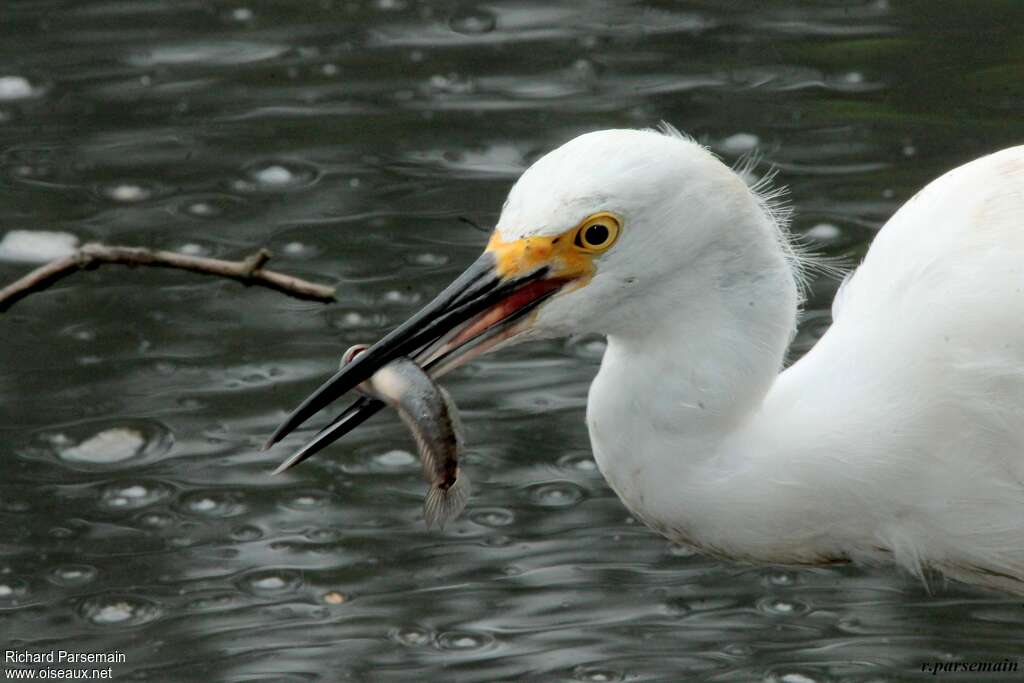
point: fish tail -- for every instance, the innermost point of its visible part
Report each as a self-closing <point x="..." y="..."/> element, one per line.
<point x="444" y="504"/>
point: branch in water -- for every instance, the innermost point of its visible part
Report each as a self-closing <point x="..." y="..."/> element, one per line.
<point x="248" y="271"/>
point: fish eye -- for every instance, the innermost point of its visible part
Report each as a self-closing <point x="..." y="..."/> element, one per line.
<point x="598" y="232"/>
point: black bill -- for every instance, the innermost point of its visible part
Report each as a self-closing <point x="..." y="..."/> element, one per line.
<point x="473" y="314"/>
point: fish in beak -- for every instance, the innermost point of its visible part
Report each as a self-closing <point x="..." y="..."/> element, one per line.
<point x="433" y="418"/>
<point x="490" y="303"/>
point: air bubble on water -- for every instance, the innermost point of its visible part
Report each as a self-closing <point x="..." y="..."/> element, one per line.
<point x="12" y="590"/>
<point x="72" y="574"/>
<point x="118" y="610"/>
<point x="472" y="22"/>
<point x="15" y="88"/>
<point x="578" y="461"/>
<point x="824" y="232"/>
<point x="201" y="209"/>
<point x="794" y="677"/>
<point x="295" y="248"/>
<point x="591" y="675"/>
<point x="556" y="494"/>
<point x="36" y="246"/>
<point x="270" y="582"/>
<point x="212" y="504"/>
<point x="127" y="193"/>
<point x="451" y="84"/>
<point x="397" y="296"/>
<point x="429" y="259"/>
<point x="156" y="520"/>
<point x="107" y="447"/>
<point x="193" y="249"/>
<point x="306" y="500"/>
<point x="493" y="517"/>
<point x="276" y="176"/>
<point x="207" y="208"/>
<point x="132" y="496"/>
<point x="781" y="608"/>
<point x="242" y="14"/>
<point x="781" y="578"/>
<point x="60" y="440"/>
<point x="33" y="172"/>
<point x="462" y="640"/>
<point x="395" y="459"/>
<point x="739" y="143"/>
<point x="355" y="319"/>
<point x="411" y="636"/>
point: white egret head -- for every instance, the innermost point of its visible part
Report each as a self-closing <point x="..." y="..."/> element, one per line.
<point x="676" y="226"/>
<point x="617" y="232"/>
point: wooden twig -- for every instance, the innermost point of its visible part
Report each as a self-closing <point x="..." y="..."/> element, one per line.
<point x="248" y="271"/>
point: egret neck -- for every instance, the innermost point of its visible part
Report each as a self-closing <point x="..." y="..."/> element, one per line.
<point x="682" y="385"/>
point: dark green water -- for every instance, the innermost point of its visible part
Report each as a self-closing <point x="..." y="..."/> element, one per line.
<point x="348" y="137"/>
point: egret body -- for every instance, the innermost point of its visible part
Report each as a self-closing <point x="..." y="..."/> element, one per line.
<point x="899" y="436"/>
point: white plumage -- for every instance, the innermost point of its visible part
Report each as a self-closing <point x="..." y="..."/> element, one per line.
<point x="899" y="436"/>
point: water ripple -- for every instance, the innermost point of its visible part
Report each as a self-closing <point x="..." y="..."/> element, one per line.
<point x="227" y="53"/>
<point x="348" y="137"/>
<point x="118" y="611"/>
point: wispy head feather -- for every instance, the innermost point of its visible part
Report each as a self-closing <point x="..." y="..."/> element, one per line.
<point x="774" y="202"/>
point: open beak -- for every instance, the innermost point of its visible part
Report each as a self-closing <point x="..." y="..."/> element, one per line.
<point x="489" y="303"/>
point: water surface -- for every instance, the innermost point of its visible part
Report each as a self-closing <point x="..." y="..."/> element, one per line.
<point x="137" y="510"/>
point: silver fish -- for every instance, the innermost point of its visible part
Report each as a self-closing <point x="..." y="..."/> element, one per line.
<point x="431" y="415"/>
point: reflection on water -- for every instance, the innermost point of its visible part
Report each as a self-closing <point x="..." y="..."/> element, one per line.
<point x="348" y="136"/>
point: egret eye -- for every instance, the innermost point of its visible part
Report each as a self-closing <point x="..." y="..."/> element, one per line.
<point x="598" y="232"/>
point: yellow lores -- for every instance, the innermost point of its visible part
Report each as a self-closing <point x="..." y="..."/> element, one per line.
<point x="569" y="255"/>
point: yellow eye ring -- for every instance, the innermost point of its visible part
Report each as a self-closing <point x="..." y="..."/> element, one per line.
<point x="598" y="232"/>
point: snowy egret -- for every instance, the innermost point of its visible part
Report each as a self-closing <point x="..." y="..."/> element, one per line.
<point x="898" y="437"/>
